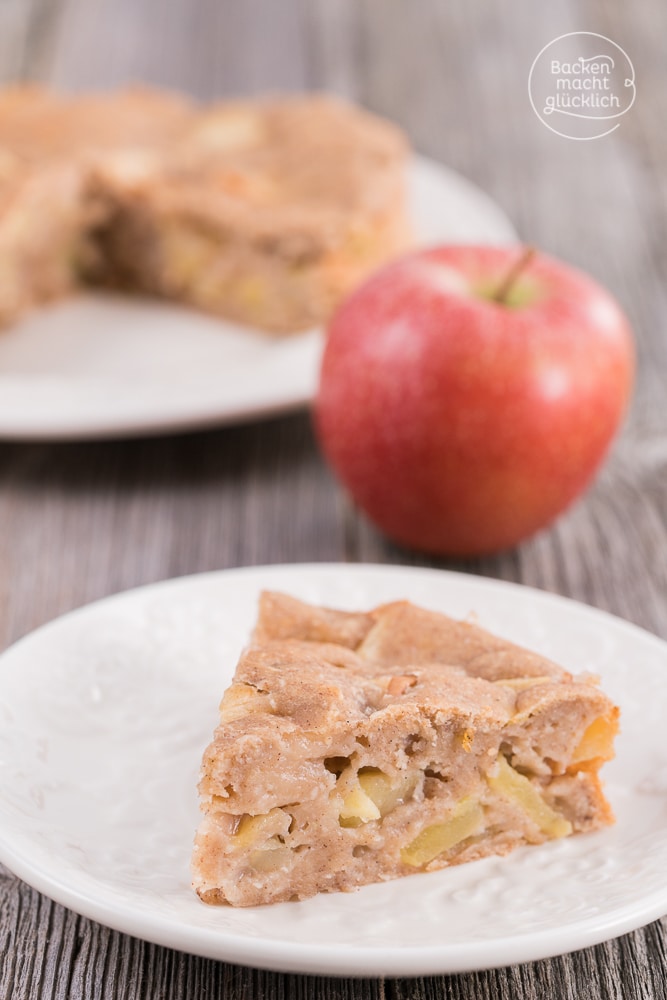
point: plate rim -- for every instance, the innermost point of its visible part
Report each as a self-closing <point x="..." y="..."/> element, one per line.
<point x="325" y="959"/>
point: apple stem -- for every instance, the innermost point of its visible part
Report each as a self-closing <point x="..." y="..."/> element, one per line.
<point x="519" y="265"/>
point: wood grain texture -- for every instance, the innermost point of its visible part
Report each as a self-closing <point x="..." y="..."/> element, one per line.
<point x="81" y="521"/>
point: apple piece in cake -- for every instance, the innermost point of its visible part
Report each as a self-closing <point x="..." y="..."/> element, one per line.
<point x="355" y="748"/>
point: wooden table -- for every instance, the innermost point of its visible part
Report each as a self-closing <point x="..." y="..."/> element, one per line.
<point x="80" y="521"/>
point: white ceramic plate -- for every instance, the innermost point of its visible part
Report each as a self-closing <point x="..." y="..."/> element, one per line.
<point x="108" y="366"/>
<point x="104" y="715"/>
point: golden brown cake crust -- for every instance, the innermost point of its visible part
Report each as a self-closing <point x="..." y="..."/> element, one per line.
<point x="360" y="747"/>
<point x="284" y="617"/>
<point x="40" y="126"/>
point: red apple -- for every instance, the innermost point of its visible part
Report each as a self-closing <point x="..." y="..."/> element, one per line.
<point x="469" y="394"/>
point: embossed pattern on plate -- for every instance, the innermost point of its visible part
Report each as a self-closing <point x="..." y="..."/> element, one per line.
<point x="104" y="715"/>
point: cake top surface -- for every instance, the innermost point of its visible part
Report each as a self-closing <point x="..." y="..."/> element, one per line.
<point x="38" y="125"/>
<point x="399" y="634"/>
<point x="314" y="669"/>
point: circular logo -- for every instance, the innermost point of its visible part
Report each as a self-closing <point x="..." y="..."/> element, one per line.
<point x="581" y="84"/>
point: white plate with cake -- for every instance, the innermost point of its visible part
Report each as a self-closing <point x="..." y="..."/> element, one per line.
<point x="169" y="266"/>
<point x="106" y="712"/>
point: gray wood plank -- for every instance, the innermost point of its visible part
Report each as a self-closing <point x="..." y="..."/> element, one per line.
<point x="207" y="49"/>
<point x="82" y="521"/>
<point x="14" y="31"/>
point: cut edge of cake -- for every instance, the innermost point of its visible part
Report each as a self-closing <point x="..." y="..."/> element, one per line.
<point x="361" y="747"/>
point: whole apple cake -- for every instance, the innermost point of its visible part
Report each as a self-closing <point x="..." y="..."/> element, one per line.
<point x="360" y="747"/>
<point x="264" y="211"/>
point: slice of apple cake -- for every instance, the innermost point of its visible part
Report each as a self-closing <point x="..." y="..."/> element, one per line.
<point x="356" y="748"/>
